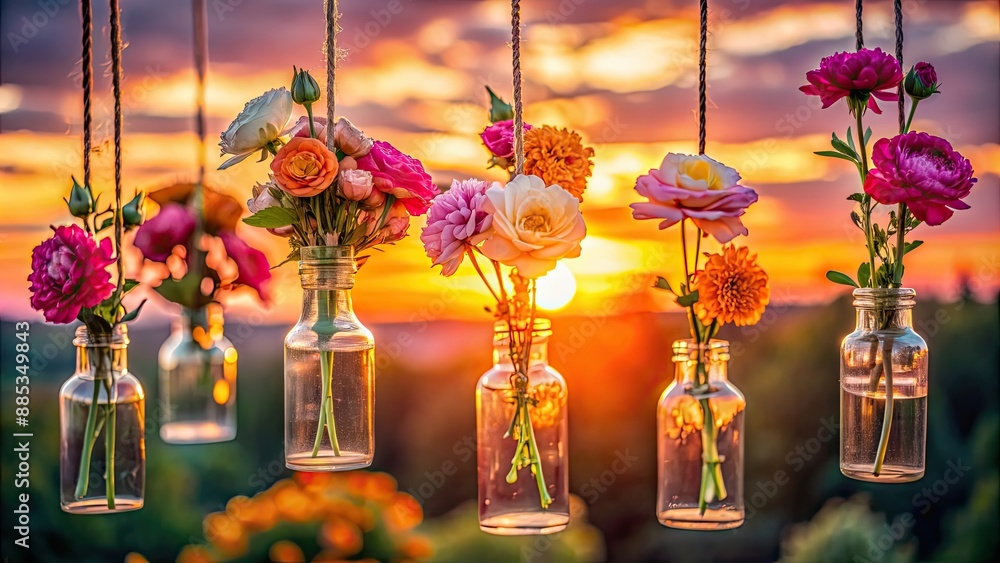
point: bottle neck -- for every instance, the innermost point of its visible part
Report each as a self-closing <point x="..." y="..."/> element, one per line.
<point x="884" y="308"/>
<point x="713" y="358"/>
<point x="103" y="356"/>
<point x="539" y="351"/>
<point x="326" y="304"/>
<point x="871" y="319"/>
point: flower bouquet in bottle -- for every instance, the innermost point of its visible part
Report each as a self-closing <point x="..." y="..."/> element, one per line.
<point x="334" y="193"/>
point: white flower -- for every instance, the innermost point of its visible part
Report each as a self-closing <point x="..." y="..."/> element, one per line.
<point x="534" y="225"/>
<point x="262" y="198"/>
<point x="259" y="124"/>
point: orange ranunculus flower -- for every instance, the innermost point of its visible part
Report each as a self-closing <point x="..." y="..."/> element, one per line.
<point x="304" y="167"/>
<point x="731" y="288"/>
<point x="558" y="157"/>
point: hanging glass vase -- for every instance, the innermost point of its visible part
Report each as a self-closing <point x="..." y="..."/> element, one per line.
<point x="522" y="444"/>
<point x="883" y="398"/>
<point x="197" y="400"/>
<point x="102" y="452"/>
<point x="700" y="441"/>
<point x="329" y="369"/>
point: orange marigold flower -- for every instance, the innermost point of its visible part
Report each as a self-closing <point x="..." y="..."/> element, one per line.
<point x="558" y="157"/>
<point x="731" y="288"/>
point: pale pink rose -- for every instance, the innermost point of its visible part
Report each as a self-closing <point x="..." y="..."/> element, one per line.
<point x="355" y="185"/>
<point x="396" y="223"/>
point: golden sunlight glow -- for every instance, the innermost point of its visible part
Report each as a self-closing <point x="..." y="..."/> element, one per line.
<point x="220" y="391"/>
<point x="556" y="289"/>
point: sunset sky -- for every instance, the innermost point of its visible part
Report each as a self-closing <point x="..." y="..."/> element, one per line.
<point x="623" y="73"/>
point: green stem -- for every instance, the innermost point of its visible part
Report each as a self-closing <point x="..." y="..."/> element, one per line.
<point x="322" y="414"/>
<point x="89" y="437"/>
<point x="312" y="127"/>
<point x="331" y="425"/>
<point x="909" y="120"/>
<point x="324" y="326"/>
<point x="536" y="460"/>
<point x="883" y="443"/>
<point x="109" y="448"/>
<point x="900" y="243"/>
<point x="867" y="205"/>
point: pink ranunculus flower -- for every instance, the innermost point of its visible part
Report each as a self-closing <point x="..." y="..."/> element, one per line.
<point x="171" y="227"/>
<point x="301" y="128"/>
<point x="499" y="138"/>
<point x="400" y="175"/>
<point x="250" y="262"/>
<point x="861" y="77"/>
<point x="68" y="274"/>
<point x="355" y="185"/>
<point x="922" y="171"/>
<point x="697" y="188"/>
<point x="456" y="221"/>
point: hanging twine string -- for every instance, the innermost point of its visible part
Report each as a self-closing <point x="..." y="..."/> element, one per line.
<point x="859" y="36"/>
<point x="515" y="43"/>
<point x="87" y="67"/>
<point x="116" y="84"/>
<point x="898" y="9"/>
<point x="702" y="80"/>
<point x="200" y="24"/>
<point x="332" y="15"/>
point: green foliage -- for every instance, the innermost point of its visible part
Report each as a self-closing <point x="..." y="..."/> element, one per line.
<point x="272" y="218"/>
<point x="843" y="531"/>
<point x="841" y="278"/>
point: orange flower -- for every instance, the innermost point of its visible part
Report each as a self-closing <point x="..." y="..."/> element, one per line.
<point x="731" y="288"/>
<point x="304" y="167"/>
<point x="558" y="157"/>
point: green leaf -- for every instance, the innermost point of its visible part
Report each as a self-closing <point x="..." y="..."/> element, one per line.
<point x="841" y="278"/>
<point x="856" y="219"/>
<point x="95" y="324"/>
<point x="129" y="285"/>
<point x="499" y="109"/>
<point x="834" y="154"/>
<point x="272" y="218"/>
<point x="106" y="224"/>
<point x="850" y="140"/>
<point x="860" y="198"/>
<point x="864" y="275"/>
<point x="293" y="256"/>
<point x="868" y="135"/>
<point x="911" y="246"/>
<point x="662" y="283"/>
<point x="131" y="315"/>
<point x="842" y="147"/>
<point x="688" y="300"/>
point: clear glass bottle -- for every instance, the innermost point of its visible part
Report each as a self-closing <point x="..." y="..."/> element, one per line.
<point x="883" y="362"/>
<point x="329" y="369"/>
<point x="197" y="400"/>
<point x="694" y="492"/>
<point x="102" y="447"/>
<point x="516" y="508"/>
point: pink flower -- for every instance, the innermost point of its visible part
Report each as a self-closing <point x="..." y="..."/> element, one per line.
<point x="697" y="188"/>
<point x="251" y="263"/>
<point x="456" y="221"/>
<point x="922" y="171"/>
<point x="499" y="138"/>
<point x="172" y="226"/>
<point x="68" y="274"/>
<point x="400" y="175"/>
<point x="926" y="73"/>
<point x="301" y="128"/>
<point x="355" y="185"/>
<point x="396" y="223"/>
<point x="860" y="77"/>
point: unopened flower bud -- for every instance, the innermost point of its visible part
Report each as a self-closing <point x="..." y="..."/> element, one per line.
<point x="134" y="212"/>
<point x="80" y="202"/>
<point x="499" y="109"/>
<point x="921" y="82"/>
<point x="305" y="89"/>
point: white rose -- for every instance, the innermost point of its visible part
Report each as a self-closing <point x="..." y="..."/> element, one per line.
<point x="534" y="225"/>
<point x="262" y="199"/>
<point x="260" y="123"/>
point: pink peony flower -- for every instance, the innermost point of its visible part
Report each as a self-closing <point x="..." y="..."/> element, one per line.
<point x="499" y="138"/>
<point x="172" y="226"/>
<point x="861" y="77"/>
<point x="696" y="188"/>
<point x="396" y="223"/>
<point x="400" y="175"/>
<point x="922" y="171"/>
<point x="456" y="221"/>
<point x="68" y="274"/>
<point x="251" y="263"/>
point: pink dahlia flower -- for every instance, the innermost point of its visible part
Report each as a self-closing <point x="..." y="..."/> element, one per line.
<point x="171" y="227"/>
<point x="499" y="138"/>
<point x="697" y="188"/>
<point x="861" y="77"/>
<point x="68" y="274"/>
<point x="922" y="171"/>
<point x="456" y="220"/>
<point x="400" y="175"/>
<point x="251" y="263"/>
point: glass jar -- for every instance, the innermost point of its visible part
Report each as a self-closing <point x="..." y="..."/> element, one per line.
<point x="329" y="369"/>
<point x="102" y="448"/>
<point x="530" y="496"/>
<point x="198" y="380"/>
<point x="699" y="424"/>
<point x="883" y="383"/>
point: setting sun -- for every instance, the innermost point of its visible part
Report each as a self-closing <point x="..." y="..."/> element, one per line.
<point x="556" y="289"/>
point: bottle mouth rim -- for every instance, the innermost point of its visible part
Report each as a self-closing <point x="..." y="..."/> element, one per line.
<point x="687" y="349"/>
<point x="541" y="327"/>
<point x="117" y="338"/>
<point x="884" y="297"/>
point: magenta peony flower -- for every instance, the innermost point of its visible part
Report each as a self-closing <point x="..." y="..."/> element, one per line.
<point x="922" y="171"/>
<point x="252" y="264"/>
<point x="861" y="77"/>
<point x="172" y="226"/>
<point x="456" y="220"/>
<point x="696" y="188"/>
<point x="400" y="175"/>
<point x="499" y="138"/>
<point x="68" y="274"/>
